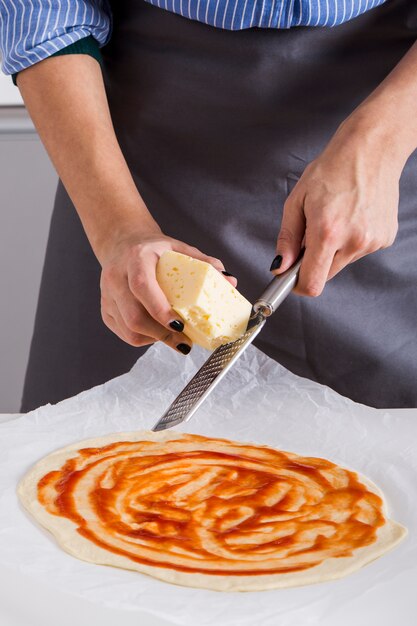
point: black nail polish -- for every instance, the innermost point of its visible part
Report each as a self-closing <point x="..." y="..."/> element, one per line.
<point x="177" y="325"/>
<point x="276" y="263"/>
<point x="227" y="273"/>
<point x="184" y="348"/>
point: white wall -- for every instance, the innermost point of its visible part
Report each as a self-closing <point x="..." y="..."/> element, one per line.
<point x="27" y="188"/>
<point x="9" y="94"/>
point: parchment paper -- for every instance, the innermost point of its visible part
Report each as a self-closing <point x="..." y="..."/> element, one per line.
<point x="257" y="401"/>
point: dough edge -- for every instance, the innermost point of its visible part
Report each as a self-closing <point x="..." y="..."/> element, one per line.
<point x="67" y="537"/>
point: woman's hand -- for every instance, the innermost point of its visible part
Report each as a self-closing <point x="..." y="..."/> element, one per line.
<point x="133" y="305"/>
<point x="77" y="130"/>
<point x="343" y="207"/>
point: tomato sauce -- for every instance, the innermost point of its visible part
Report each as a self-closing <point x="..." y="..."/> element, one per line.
<point x="233" y="510"/>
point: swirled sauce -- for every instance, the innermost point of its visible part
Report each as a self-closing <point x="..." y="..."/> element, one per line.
<point x="213" y="506"/>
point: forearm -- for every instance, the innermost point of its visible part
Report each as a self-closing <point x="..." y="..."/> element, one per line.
<point x="388" y="117"/>
<point x="66" y="99"/>
<point x="345" y="204"/>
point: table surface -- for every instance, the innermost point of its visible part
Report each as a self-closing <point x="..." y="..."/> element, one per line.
<point x="40" y="609"/>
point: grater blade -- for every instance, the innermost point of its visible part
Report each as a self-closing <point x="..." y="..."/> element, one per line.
<point x="207" y="377"/>
<point x="218" y="363"/>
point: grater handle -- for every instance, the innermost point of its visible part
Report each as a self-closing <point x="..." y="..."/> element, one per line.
<point x="278" y="289"/>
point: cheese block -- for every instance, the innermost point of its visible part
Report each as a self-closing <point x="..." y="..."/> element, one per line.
<point x="213" y="311"/>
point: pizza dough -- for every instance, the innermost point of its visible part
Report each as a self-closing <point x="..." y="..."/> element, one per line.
<point x="208" y="513"/>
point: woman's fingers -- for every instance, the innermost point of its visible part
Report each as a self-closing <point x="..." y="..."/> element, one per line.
<point x="342" y="258"/>
<point x="324" y="258"/>
<point x="331" y="242"/>
<point x="291" y="234"/>
<point x="145" y="287"/>
<point x="162" y="319"/>
<point x="136" y="319"/>
<point x="315" y="268"/>
<point x="138" y="288"/>
<point x="319" y="242"/>
<point x="133" y="303"/>
<point x="358" y="245"/>
<point x="115" y="323"/>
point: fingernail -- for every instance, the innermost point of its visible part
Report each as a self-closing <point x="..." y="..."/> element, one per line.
<point x="276" y="263"/>
<point x="227" y="273"/>
<point x="184" y="348"/>
<point x="177" y="325"/>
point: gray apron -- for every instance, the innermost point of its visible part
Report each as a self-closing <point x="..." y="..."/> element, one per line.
<point x="217" y="127"/>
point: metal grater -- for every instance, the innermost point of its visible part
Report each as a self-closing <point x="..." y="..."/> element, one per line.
<point x="222" y="359"/>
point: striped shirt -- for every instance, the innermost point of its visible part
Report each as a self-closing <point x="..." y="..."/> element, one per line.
<point x="32" y="30"/>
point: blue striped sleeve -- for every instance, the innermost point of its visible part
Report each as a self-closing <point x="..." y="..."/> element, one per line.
<point x="33" y="30"/>
<point x="241" y="14"/>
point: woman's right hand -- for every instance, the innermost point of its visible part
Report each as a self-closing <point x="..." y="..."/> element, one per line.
<point x="133" y="305"/>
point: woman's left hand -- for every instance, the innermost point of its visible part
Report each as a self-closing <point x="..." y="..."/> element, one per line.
<point x="344" y="206"/>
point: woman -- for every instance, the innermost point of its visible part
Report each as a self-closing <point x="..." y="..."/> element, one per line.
<point x="236" y="121"/>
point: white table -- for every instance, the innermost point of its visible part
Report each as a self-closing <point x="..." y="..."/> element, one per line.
<point x="39" y="608"/>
